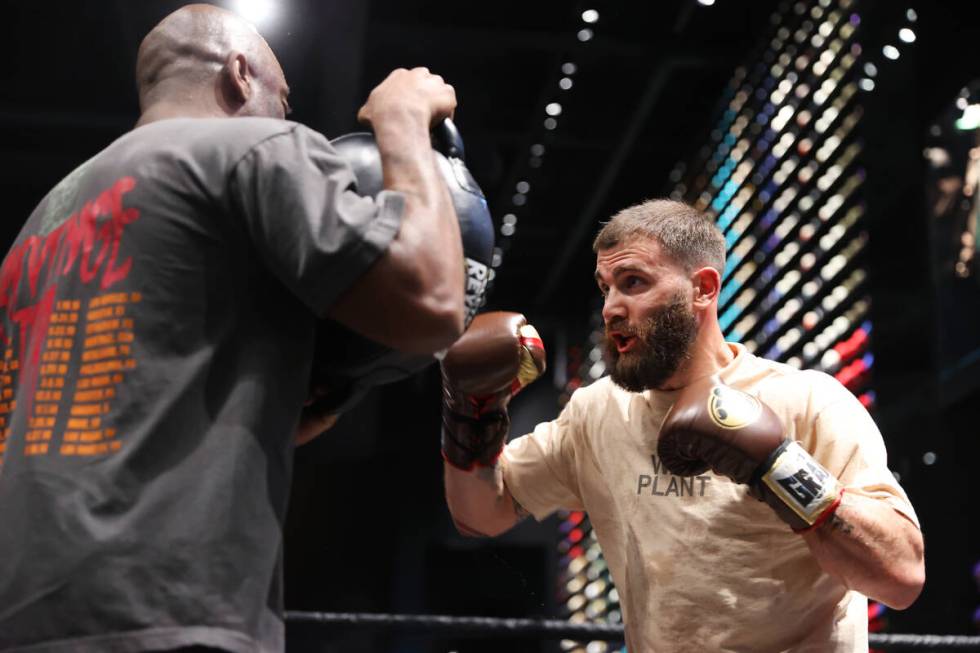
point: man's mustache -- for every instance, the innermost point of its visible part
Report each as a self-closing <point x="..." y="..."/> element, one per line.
<point x="621" y="326"/>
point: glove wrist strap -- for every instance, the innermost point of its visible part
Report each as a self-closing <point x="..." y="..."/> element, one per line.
<point x="798" y="487"/>
<point x="469" y="442"/>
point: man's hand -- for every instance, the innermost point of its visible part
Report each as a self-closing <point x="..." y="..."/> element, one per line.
<point x="415" y="91"/>
<point x="496" y="357"/>
<point x="734" y="434"/>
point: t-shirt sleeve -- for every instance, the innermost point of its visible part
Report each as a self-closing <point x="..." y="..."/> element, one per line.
<point x="305" y="217"/>
<point x="848" y="443"/>
<point x="539" y="468"/>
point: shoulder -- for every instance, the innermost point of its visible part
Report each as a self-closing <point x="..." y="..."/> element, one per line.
<point x="791" y="392"/>
<point x="598" y="393"/>
<point x="780" y="378"/>
<point x="229" y="137"/>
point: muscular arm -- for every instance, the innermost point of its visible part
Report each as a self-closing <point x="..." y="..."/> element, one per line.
<point x="873" y="549"/>
<point x="411" y="298"/>
<point x="479" y="501"/>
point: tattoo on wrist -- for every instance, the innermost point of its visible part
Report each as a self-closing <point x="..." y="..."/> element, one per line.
<point x="487" y="474"/>
<point x="520" y="510"/>
<point x="837" y="523"/>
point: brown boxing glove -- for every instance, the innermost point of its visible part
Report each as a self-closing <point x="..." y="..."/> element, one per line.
<point x="713" y="426"/>
<point x="499" y="354"/>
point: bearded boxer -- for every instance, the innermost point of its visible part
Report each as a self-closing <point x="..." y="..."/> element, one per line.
<point x="742" y="505"/>
<point x="158" y="313"/>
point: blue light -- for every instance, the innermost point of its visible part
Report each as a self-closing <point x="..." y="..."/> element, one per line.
<point x="730" y="239"/>
<point x="728" y="317"/>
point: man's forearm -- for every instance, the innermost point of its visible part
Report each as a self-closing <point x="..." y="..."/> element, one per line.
<point x="480" y="504"/>
<point x="430" y="226"/>
<point x="412" y="296"/>
<point x="872" y="549"/>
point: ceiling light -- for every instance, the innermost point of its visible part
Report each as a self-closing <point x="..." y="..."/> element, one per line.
<point x="890" y="52"/>
<point x="590" y="16"/>
<point x="906" y="35"/>
<point x="257" y="12"/>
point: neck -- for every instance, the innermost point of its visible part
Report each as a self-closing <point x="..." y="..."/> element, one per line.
<point x="709" y="354"/>
<point x="167" y="110"/>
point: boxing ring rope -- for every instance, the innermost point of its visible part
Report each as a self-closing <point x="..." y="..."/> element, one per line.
<point x="559" y="629"/>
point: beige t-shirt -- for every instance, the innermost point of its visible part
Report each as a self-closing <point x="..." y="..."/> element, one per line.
<point x="699" y="564"/>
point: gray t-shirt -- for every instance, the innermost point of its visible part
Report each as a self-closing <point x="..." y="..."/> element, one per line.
<point x="157" y="315"/>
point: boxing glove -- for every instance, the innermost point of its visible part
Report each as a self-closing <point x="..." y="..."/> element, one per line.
<point x="713" y="426"/>
<point x="497" y="356"/>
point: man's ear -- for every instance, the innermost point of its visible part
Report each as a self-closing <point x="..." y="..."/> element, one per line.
<point x="707" y="285"/>
<point x="237" y="79"/>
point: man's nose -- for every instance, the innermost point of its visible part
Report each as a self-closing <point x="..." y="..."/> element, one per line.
<point x="613" y="307"/>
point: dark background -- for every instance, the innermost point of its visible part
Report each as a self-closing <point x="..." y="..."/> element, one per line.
<point x="368" y="529"/>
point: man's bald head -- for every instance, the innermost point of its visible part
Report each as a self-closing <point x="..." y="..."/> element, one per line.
<point x="207" y="58"/>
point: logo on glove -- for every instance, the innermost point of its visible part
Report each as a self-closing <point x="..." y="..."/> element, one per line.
<point x="731" y="409"/>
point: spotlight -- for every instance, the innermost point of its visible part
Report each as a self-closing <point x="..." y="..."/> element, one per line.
<point x="258" y="12"/>
<point x="553" y="109"/>
<point x="585" y="34"/>
<point x="706" y="3"/>
<point x="907" y="35"/>
<point x="890" y="52"/>
<point x="590" y="16"/>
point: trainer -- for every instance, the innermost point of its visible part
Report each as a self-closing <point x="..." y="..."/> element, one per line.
<point x="158" y="311"/>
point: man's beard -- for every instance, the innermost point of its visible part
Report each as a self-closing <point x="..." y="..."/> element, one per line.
<point x="662" y="344"/>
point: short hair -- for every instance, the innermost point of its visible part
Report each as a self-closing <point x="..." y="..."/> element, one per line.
<point x="688" y="236"/>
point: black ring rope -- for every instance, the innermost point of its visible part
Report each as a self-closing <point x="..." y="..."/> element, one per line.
<point x="558" y="629"/>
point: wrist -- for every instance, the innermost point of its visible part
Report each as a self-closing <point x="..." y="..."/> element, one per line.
<point x="824" y="517"/>
<point x="398" y="122"/>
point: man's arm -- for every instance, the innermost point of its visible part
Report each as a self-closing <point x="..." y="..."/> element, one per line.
<point x="872" y="548"/>
<point x="861" y="540"/>
<point x="411" y="298"/>
<point x="498" y="355"/>
<point x="479" y="501"/>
